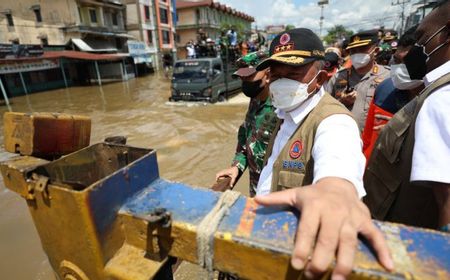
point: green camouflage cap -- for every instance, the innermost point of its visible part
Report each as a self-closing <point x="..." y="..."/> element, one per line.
<point x="247" y="63"/>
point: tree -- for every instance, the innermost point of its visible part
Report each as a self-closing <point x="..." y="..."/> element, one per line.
<point x="289" y="27"/>
<point x="336" y="33"/>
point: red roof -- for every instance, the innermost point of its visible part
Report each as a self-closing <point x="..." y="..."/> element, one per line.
<point x="184" y="4"/>
<point x="69" y="54"/>
<point x="188" y="4"/>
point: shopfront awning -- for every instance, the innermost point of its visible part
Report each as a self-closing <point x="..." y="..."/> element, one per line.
<point x="69" y="55"/>
<point x="83" y="46"/>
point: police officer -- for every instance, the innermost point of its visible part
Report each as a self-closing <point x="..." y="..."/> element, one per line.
<point x="260" y="120"/>
<point x="392" y="94"/>
<point x="355" y="86"/>
<point x="407" y="178"/>
<point x="316" y="148"/>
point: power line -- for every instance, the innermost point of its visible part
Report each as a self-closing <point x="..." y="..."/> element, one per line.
<point x="403" y="4"/>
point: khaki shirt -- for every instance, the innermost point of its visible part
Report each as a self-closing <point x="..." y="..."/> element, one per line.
<point x="349" y="79"/>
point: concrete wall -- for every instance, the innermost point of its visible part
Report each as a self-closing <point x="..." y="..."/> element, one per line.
<point x="186" y="35"/>
<point x="55" y="14"/>
<point x="186" y="17"/>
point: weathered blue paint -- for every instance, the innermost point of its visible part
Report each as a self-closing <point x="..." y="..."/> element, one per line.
<point x="136" y="189"/>
<point x="274" y="228"/>
<point x="186" y="204"/>
<point x="427" y="245"/>
<point x="108" y="195"/>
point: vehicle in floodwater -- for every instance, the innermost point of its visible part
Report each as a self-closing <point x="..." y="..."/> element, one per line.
<point x="203" y="79"/>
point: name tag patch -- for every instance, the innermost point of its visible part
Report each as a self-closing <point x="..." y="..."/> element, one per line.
<point x="289" y="164"/>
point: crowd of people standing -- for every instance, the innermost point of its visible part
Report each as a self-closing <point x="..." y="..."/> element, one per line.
<point x="361" y="131"/>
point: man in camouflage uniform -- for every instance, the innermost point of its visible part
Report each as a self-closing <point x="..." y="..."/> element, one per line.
<point x="354" y="87"/>
<point x="260" y="120"/>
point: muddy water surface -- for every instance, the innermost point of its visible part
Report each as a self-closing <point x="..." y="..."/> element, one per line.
<point x="193" y="141"/>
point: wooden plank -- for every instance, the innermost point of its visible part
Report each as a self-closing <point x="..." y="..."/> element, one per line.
<point x="45" y="134"/>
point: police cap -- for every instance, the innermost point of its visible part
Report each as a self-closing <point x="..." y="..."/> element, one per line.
<point x="363" y="38"/>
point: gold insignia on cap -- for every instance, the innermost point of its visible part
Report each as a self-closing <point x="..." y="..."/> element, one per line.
<point x="290" y="59"/>
<point x="356" y="39"/>
<point x="318" y="53"/>
<point x="283" y="48"/>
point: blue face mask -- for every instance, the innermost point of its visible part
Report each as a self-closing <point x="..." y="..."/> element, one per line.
<point x="417" y="58"/>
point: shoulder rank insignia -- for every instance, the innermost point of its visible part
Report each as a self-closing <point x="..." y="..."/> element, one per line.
<point x="375" y="69"/>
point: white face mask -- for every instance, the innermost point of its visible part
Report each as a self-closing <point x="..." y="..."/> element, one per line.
<point x="288" y="94"/>
<point x="360" y="60"/>
<point x="400" y="77"/>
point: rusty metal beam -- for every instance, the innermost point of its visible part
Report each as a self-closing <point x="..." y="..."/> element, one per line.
<point x="105" y="201"/>
<point x="256" y="242"/>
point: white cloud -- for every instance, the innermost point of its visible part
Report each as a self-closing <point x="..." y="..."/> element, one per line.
<point x="355" y="14"/>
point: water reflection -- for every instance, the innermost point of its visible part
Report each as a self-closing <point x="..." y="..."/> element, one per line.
<point x="193" y="142"/>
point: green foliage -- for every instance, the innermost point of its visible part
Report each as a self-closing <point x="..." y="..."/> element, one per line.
<point x="336" y="33"/>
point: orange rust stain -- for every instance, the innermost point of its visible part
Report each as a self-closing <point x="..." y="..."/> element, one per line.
<point x="247" y="219"/>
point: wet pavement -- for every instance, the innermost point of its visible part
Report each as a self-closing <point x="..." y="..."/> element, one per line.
<point x="193" y="142"/>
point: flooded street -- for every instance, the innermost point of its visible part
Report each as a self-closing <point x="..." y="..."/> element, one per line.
<point x="193" y="141"/>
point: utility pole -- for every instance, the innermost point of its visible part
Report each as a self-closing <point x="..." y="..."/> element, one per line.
<point x="322" y="4"/>
<point x="403" y="4"/>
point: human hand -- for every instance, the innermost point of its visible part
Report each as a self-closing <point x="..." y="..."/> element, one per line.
<point x="231" y="172"/>
<point x="381" y="121"/>
<point x="347" y="98"/>
<point x="332" y="216"/>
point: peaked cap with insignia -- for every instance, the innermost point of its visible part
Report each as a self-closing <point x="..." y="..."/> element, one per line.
<point x="363" y="38"/>
<point x="295" y="47"/>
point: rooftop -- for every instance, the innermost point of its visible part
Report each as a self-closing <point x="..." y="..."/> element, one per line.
<point x="184" y="4"/>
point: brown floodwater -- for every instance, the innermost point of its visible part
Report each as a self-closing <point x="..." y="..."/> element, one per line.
<point x="193" y="141"/>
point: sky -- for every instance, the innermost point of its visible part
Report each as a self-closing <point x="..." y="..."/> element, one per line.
<point x="353" y="14"/>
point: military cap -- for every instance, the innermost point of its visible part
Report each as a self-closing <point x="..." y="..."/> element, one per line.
<point x="363" y="38"/>
<point x="295" y="47"/>
<point x="247" y="63"/>
<point x="331" y="60"/>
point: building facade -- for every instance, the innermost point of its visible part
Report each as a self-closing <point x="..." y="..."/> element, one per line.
<point x="208" y="16"/>
<point x="49" y="44"/>
<point x="151" y="22"/>
<point x="95" y="25"/>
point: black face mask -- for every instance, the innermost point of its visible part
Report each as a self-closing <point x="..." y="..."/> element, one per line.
<point x="252" y="89"/>
<point x="416" y="63"/>
<point x="416" y="59"/>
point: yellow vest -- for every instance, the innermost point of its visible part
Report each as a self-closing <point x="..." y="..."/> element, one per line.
<point x="294" y="166"/>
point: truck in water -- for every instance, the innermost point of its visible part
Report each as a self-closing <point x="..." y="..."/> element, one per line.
<point x="203" y="79"/>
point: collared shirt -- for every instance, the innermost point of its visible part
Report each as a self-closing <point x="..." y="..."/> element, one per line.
<point x="337" y="146"/>
<point x="349" y="79"/>
<point x="431" y="153"/>
<point x="253" y="137"/>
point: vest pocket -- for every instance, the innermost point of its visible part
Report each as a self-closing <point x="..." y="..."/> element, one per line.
<point x="381" y="194"/>
<point x="289" y="179"/>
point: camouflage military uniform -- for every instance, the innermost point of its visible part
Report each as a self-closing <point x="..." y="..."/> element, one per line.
<point x="349" y="79"/>
<point x="253" y="138"/>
